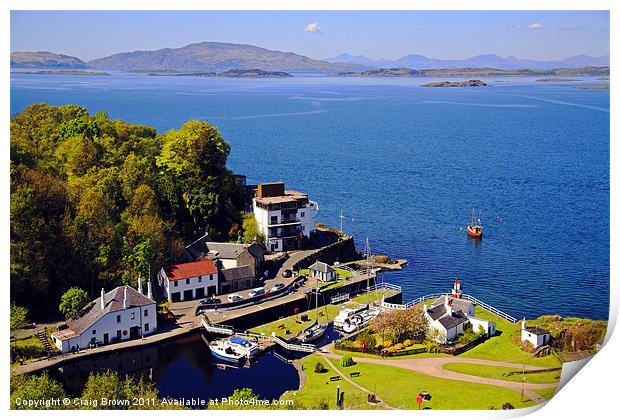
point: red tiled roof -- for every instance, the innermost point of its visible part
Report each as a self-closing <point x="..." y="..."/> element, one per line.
<point x="192" y="269"/>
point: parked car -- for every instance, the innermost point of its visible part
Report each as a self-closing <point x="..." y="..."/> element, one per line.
<point x="277" y="287"/>
<point x="210" y="301"/>
<point x="234" y="297"/>
<point x="259" y="291"/>
<point x="287" y="273"/>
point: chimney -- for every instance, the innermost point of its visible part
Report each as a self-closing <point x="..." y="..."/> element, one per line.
<point x="140" y="284"/>
<point x="149" y="293"/>
<point x="102" y="298"/>
<point x="125" y="299"/>
<point x="446" y="302"/>
<point x="523" y="324"/>
<point x="449" y="309"/>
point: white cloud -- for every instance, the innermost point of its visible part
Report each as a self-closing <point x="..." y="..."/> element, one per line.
<point x="536" y="25"/>
<point x="571" y="28"/>
<point x="313" y="27"/>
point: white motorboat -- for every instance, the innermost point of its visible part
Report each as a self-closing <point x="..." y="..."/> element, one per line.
<point x="359" y="320"/>
<point x="244" y="346"/>
<point x="223" y="350"/>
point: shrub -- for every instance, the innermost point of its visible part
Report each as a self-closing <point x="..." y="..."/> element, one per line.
<point x="398" y="347"/>
<point x="387" y="343"/>
<point x="408" y="343"/>
<point x="347" y="361"/>
<point x="392" y="349"/>
<point x="319" y="368"/>
<point x="367" y="338"/>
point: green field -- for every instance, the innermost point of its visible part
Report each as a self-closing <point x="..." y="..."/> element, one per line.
<point x="293" y="323"/>
<point x="319" y="392"/>
<point x="498" y="372"/>
<point x="399" y="387"/>
<point x="502" y="348"/>
<point x="546" y="393"/>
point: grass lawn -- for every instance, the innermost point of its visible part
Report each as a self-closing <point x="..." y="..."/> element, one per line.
<point x="497" y="372"/>
<point x="30" y="347"/>
<point x="294" y="324"/>
<point x="502" y="348"/>
<point x="546" y="393"/>
<point x="319" y="392"/>
<point x="399" y="388"/>
<point x="373" y="296"/>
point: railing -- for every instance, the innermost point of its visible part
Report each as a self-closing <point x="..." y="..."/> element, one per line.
<point x="383" y="285"/>
<point x="491" y="309"/>
<point x="217" y="329"/>
<point x="472" y="299"/>
<point x="340" y="298"/>
<point x="304" y="348"/>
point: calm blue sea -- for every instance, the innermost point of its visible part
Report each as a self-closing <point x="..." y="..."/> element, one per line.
<point x="405" y="164"/>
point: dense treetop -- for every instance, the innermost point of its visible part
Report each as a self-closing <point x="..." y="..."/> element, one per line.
<point x="96" y="201"/>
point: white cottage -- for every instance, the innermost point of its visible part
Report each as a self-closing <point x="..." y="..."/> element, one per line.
<point x="119" y="315"/>
<point x="322" y="271"/>
<point x="535" y="335"/>
<point x="450" y="314"/>
<point x="194" y="280"/>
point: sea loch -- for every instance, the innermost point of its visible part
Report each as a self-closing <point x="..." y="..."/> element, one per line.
<point x="405" y="164"/>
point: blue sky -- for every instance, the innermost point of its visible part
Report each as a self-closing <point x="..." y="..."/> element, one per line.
<point x="543" y="35"/>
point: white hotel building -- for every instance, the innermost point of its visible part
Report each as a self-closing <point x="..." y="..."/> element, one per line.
<point x="188" y="281"/>
<point x="121" y="314"/>
<point x="283" y="216"/>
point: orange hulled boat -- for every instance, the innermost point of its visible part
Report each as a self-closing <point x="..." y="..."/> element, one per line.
<point x="474" y="229"/>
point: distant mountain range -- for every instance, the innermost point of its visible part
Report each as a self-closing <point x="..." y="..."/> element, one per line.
<point x="478" y="61"/>
<point x="221" y="57"/>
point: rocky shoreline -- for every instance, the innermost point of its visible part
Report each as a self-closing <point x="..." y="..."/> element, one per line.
<point x="473" y="82"/>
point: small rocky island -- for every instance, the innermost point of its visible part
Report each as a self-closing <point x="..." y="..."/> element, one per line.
<point x="473" y="82"/>
<point x="65" y="72"/>
<point x="558" y="79"/>
<point x="251" y="73"/>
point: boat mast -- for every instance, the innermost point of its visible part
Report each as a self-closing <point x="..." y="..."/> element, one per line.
<point x="472" y="216"/>
<point x="368" y="267"/>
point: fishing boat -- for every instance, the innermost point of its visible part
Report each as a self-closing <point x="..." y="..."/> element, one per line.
<point x="222" y="350"/>
<point x="244" y="346"/>
<point x="474" y="229"/>
<point x="316" y="330"/>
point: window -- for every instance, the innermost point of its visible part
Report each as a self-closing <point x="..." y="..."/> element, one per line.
<point x="210" y="276"/>
<point x="118" y="334"/>
<point x="94" y="331"/>
<point x="146" y="312"/>
<point x="274" y="219"/>
<point x="248" y="283"/>
<point x="302" y="214"/>
<point x="199" y="279"/>
<point x="176" y="283"/>
<point x="146" y="326"/>
<point x="133" y="315"/>
<point x="118" y="319"/>
<point x="186" y="281"/>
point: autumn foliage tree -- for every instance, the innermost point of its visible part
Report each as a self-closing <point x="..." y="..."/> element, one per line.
<point x="399" y="325"/>
<point x="96" y="202"/>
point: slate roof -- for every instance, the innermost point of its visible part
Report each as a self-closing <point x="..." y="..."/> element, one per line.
<point x="537" y="330"/>
<point x="321" y="267"/>
<point x="227" y="251"/>
<point x="457" y="318"/>
<point x="457" y="304"/>
<point x="92" y="312"/>
<point x="237" y="273"/>
<point x="436" y="312"/>
<point x="192" y="269"/>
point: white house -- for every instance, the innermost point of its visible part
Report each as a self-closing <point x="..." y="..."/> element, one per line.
<point x="189" y="281"/>
<point x="119" y="315"/>
<point x="229" y="255"/>
<point x="283" y="216"/>
<point x="535" y="335"/>
<point x="322" y="271"/>
<point x="450" y="314"/>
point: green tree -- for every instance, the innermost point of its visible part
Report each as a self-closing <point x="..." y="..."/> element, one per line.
<point x="19" y="316"/>
<point x="35" y="388"/>
<point x="250" y="230"/>
<point x="72" y="301"/>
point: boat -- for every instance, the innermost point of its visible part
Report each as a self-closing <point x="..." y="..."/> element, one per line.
<point x="359" y="320"/>
<point x="222" y="350"/>
<point x="244" y="346"/>
<point x="474" y="229"/>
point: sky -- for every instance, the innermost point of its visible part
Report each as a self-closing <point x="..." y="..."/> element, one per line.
<point x="540" y="35"/>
